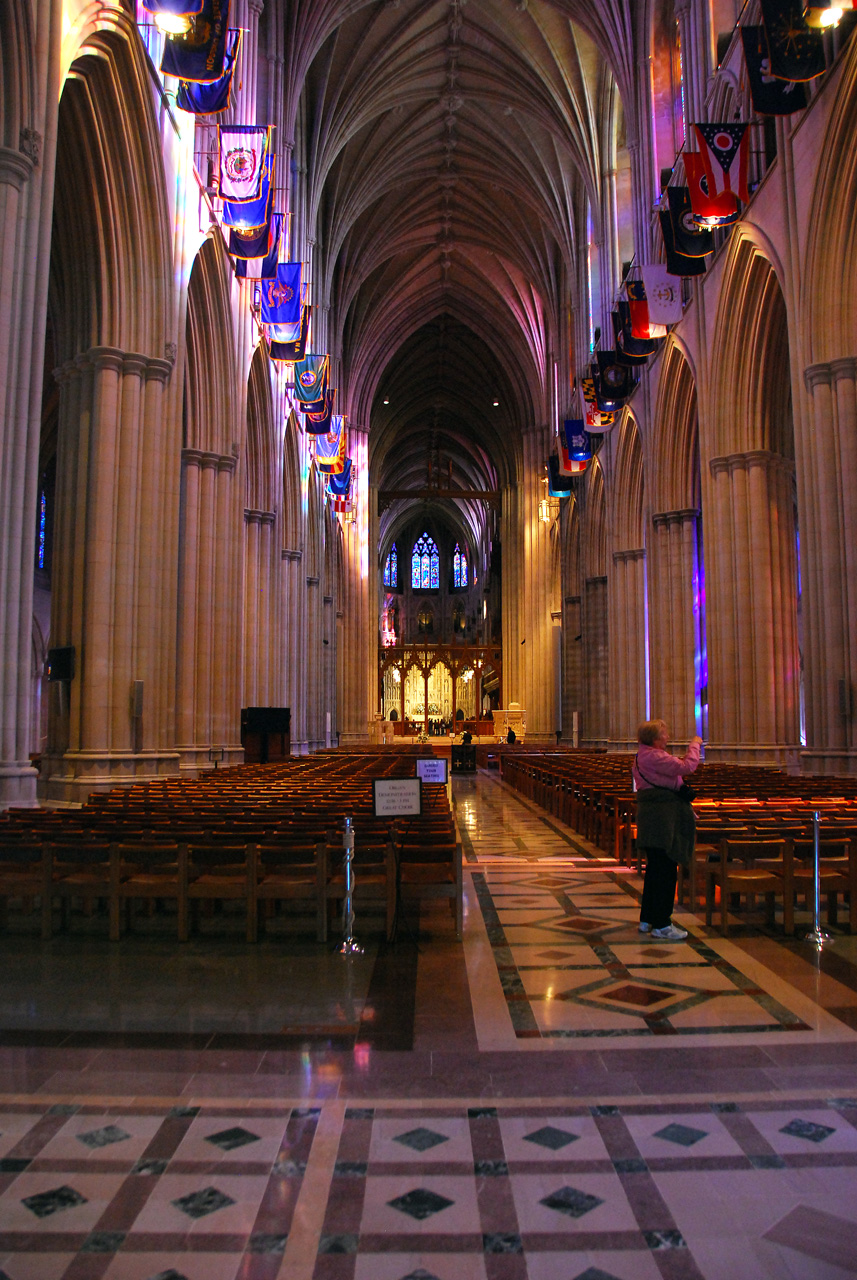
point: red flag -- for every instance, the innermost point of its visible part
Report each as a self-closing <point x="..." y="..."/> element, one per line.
<point x="725" y="151"/>
<point x="711" y="208"/>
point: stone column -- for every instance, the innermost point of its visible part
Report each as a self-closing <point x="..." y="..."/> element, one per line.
<point x="258" y="526"/>
<point x="294" y="631"/>
<point x="692" y="27"/>
<point x="107" y="554"/>
<point x="827" y="480"/>
<point x="595" y="728"/>
<point x="360" y="593"/>
<point x="312" y="659"/>
<point x="627" y="646"/>
<point x="674" y="621"/>
<point x="538" y="591"/>
<point x="572" y="683"/>
<point x="751" y="585"/>
<point x="24" y="267"/>
<point x="511" y="541"/>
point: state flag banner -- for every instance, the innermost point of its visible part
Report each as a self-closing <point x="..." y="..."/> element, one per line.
<point x="252" y="242"/>
<point x="330" y="449"/>
<point x="318" y="424"/>
<point x="575" y="440"/>
<point x="663" y="294"/>
<point x="642" y="325"/>
<point x="211" y="98"/>
<point x="771" y="96"/>
<point x="340" y="486"/>
<point x="630" y="350"/>
<point x="795" y="50"/>
<point x="710" y="209"/>
<point x="311" y="381"/>
<point x="614" y="382"/>
<point x="264" y="268"/>
<point x="243" y="151"/>
<point x="281" y="297"/>
<point x="690" y="238"/>
<point x="173" y="8"/>
<point x="559" y="486"/>
<point x="678" y="264"/>
<point x="247" y="214"/>
<point x="292" y="352"/>
<point x="198" y="55"/>
<point x="725" y="151"/>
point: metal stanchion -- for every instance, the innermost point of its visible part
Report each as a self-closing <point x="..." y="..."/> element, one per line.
<point x="350" y="947"/>
<point x="817" y="936"/>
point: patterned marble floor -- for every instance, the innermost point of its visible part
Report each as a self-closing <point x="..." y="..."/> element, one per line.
<point x="690" y="1112"/>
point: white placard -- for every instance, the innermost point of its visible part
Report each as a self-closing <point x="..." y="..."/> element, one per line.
<point x="398" y="797"/>
<point x="432" y="769"/>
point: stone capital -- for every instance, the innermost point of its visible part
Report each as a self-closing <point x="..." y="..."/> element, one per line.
<point x="628" y="556"/>
<point x="199" y="458"/>
<point x="15" y="168"/>
<point x="761" y="458"/>
<point x="258" y="517"/>
<point x="816" y="375"/>
<point x="661" y="519"/>
<point x="289" y="554"/>
<point x="312" y="581"/>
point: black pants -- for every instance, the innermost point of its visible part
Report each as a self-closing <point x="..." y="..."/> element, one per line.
<point x="658" y="889"/>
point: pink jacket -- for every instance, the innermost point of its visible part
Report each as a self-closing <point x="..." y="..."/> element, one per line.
<point x="663" y="770"/>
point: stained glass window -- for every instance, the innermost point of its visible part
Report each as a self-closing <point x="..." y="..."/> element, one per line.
<point x="43" y="524"/>
<point x="391" y="569"/>
<point x="425" y="564"/>
<point x="459" y="567"/>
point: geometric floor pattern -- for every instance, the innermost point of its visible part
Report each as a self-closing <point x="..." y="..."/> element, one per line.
<point x="573" y="965"/>
<point x="556" y="1098"/>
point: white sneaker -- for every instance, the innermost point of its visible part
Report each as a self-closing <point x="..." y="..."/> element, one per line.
<point x="670" y="933"/>
<point x="643" y="927"/>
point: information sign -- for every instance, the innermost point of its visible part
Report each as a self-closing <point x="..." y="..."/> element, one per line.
<point x="432" y="769"/>
<point x="398" y="797"/>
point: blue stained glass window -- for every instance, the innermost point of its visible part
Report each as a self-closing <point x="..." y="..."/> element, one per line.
<point x="459" y="567"/>
<point x="43" y="513"/>
<point x="391" y="569"/>
<point x="425" y="564"/>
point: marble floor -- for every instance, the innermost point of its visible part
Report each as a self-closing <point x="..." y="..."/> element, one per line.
<point x="556" y="1098"/>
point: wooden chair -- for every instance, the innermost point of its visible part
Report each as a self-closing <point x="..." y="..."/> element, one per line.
<point x="25" y="872"/>
<point x="148" y="872"/>
<point x="288" y="870"/>
<point x="219" y="872"/>
<point x="837" y="874"/>
<point x="738" y="873"/>
<point x="374" y="877"/>
<point x="432" y="868"/>
<point x="79" y="869"/>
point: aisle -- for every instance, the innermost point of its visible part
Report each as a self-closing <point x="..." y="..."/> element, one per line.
<point x="557" y="1099"/>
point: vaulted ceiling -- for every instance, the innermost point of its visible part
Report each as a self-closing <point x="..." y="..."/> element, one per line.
<point x="453" y="148"/>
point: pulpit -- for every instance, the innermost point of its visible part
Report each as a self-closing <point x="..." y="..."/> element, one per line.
<point x="513" y="717"/>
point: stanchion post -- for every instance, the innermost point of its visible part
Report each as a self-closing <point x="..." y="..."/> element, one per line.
<point x="350" y="946"/>
<point x="817" y="936"/>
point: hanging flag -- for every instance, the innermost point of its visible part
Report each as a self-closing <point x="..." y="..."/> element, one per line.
<point x="678" y="264"/>
<point x="281" y="297"/>
<point x="330" y="448"/>
<point x="210" y="98"/>
<point x="689" y="237"/>
<point x="663" y="294"/>
<point x="795" y="50"/>
<point x="263" y="268"/>
<point x="291" y="352"/>
<point x="559" y="486"/>
<point x="725" y="150"/>
<point x="243" y="149"/>
<point x="630" y="350"/>
<point x="614" y="382"/>
<point x="311" y="380"/>
<point x="594" y="419"/>
<point x="317" y="424"/>
<point x="710" y="210"/>
<point x="199" y="54"/>
<point x="254" y="242"/>
<point x="771" y="96"/>
<point x="173" y="8"/>
<point x="642" y="325"/>
<point x="340" y="486"/>
<point x="576" y="440"/>
<point x="252" y="214"/>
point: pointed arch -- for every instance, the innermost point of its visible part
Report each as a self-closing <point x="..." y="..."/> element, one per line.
<point x="261" y="437"/>
<point x="675" y="440"/>
<point x="211" y="384"/>
<point x="627" y="488"/>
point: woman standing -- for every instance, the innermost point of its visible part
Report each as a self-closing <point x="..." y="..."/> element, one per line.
<point x="666" y="825"/>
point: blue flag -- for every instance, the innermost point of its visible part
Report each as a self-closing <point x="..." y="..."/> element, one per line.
<point x="263" y="268"/>
<point x="559" y="486"/>
<point x="200" y="54"/>
<point x="291" y="352"/>
<point x="281" y="297"/>
<point x="577" y="440"/>
<point x="173" y="8"/>
<point x="339" y="485"/>
<point x="251" y="213"/>
<point x="318" y="424"/>
<point x="253" y="242"/>
<point x="311" y="376"/>
<point x="208" y="99"/>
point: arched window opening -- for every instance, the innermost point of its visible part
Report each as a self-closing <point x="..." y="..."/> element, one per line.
<point x="391" y="569"/>
<point x="425" y="564"/>
<point x="459" y="567"/>
<point x="425" y="621"/>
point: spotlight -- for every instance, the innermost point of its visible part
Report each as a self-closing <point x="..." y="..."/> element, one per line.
<point x="822" y="15"/>
<point x="386" y="399"/>
<point x="172" y="24"/>
<point x="495" y="403"/>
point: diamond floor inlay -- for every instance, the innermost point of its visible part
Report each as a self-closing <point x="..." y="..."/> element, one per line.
<point x="420" y="1204"/>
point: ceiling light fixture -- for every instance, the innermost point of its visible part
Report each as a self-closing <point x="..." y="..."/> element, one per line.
<point x="822" y="15"/>
<point x="172" y="24"/>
